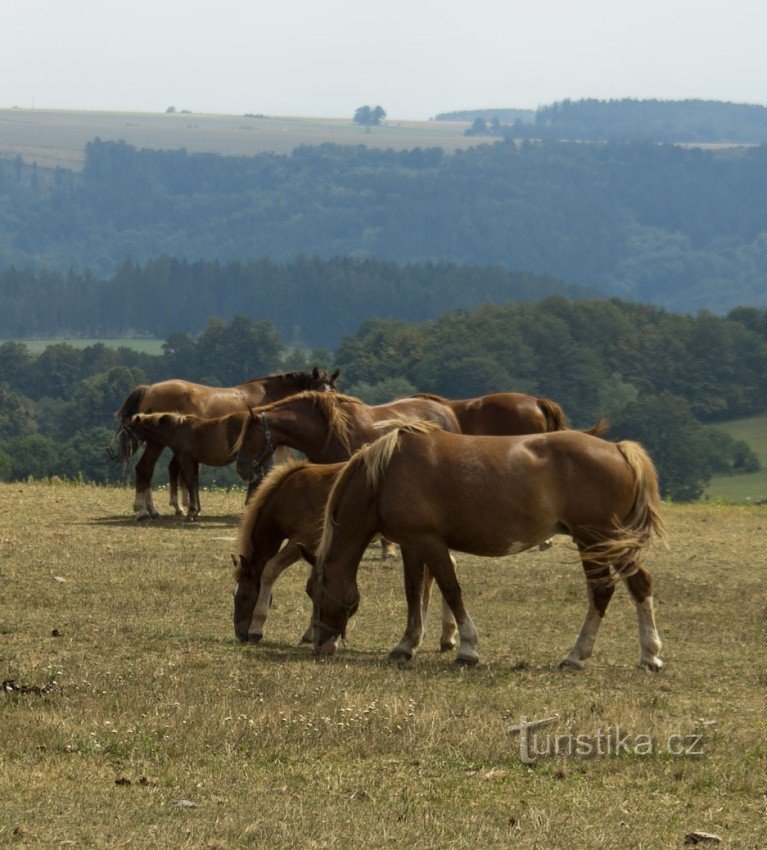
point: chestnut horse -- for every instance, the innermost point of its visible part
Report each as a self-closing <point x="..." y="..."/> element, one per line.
<point x="178" y="396"/>
<point x="193" y="440"/>
<point x="328" y="428"/>
<point x="287" y="508"/>
<point x="432" y="491"/>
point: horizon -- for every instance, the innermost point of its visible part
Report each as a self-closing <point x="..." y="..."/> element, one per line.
<point x="301" y="58"/>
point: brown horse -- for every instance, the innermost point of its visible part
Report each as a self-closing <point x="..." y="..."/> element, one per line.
<point x="328" y="428"/>
<point x="433" y="491"/>
<point x="287" y="508"/>
<point x="178" y="396"/>
<point x="193" y="440"/>
<point x="509" y="415"/>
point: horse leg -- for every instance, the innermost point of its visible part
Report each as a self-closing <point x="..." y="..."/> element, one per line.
<point x="388" y="549"/>
<point x="190" y="471"/>
<point x="441" y="564"/>
<point x="600" y="590"/>
<point x="174" y="472"/>
<point x="144" y="469"/>
<point x="640" y="588"/>
<point x="273" y="569"/>
<point x="448" y="637"/>
<point x="414" y="575"/>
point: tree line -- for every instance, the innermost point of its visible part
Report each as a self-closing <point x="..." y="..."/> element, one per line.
<point x="311" y="300"/>
<point x="658" y="223"/>
<point x="661" y="378"/>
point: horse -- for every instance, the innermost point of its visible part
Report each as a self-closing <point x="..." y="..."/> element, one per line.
<point x="509" y="415"/>
<point x="328" y="428"/>
<point x="193" y="440"/>
<point x="179" y="396"/>
<point x="287" y="508"/>
<point x="432" y="491"/>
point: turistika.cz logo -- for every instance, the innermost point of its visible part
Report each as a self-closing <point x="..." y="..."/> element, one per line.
<point x="611" y="742"/>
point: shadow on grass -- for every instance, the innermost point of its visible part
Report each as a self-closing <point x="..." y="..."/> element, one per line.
<point x="203" y="520"/>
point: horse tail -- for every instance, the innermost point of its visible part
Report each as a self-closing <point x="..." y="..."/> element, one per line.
<point x="366" y="468"/>
<point x="599" y="429"/>
<point x="126" y="442"/>
<point x="622" y="548"/>
<point x="553" y="413"/>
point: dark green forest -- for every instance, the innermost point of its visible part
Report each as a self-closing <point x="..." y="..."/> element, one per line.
<point x="660" y="377"/>
<point x="655" y="120"/>
<point x="625" y="119"/>
<point x="311" y="301"/>
<point x="681" y="228"/>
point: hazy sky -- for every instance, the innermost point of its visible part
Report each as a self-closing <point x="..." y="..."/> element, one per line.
<point x="415" y="57"/>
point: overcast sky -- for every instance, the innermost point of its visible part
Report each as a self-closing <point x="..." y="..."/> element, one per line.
<point x="414" y="57"/>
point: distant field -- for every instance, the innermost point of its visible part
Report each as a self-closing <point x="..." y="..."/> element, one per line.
<point x="57" y="137"/>
<point x="751" y="487"/>
<point x="148" y="346"/>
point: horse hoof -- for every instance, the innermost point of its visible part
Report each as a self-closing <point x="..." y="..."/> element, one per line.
<point x="547" y="544"/>
<point x="399" y="654"/>
<point x="652" y="664"/>
<point x="466" y="661"/>
<point x="446" y="645"/>
<point x="568" y="663"/>
<point x="254" y="637"/>
<point x="142" y="517"/>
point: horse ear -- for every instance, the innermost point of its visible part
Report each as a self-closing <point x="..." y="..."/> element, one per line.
<point x="316" y="373"/>
<point x="334" y="376"/>
<point x="307" y="555"/>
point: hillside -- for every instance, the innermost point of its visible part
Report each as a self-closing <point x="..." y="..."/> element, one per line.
<point x="680" y="228"/>
<point x="57" y="138"/>
<point x="748" y="487"/>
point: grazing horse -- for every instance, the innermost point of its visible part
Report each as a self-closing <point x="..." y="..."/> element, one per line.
<point x="432" y="491"/>
<point x="178" y="396"/>
<point x="287" y="508"/>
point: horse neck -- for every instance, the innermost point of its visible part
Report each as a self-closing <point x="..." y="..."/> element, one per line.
<point x="268" y="532"/>
<point x="355" y="521"/>
<point x="302" y="427"/>
<point x="269" y="389"/>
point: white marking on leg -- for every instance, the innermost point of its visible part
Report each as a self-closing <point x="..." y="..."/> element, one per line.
<point x="469" y="637"/>
<point x="584" y="645"/>
<point x="140" y="505"/>
<point x="449" y="628"/>
<point x="184" y="496"/>
<point x="649" y="639"/>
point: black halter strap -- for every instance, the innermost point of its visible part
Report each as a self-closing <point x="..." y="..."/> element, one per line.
<point x="263" y="463"/>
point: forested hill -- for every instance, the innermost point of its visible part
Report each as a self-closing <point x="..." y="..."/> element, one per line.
<point x="680" y="228"/>
<point x="650" y="120"/>
<point x="316" y="301"/>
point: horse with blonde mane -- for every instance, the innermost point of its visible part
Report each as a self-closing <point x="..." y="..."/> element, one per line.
<point x="432" y="491"/>
<point x="179" y="396"/>
<point x="288" y="509"/>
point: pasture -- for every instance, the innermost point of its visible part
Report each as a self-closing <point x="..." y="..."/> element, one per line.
<point x="752" y="486"/>
<point x="153" y="706"/>
<point x="146" y="346"/>
<point x="57" y="137"/>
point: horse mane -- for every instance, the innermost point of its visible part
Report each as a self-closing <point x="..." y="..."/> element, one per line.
<point x="269" y="486"/>
<point x="430" y="396"/>
<point x="329" y="405"/>
<point x="173" y="418"/>
<point x="553" y="413"/>
<point x="373" y="459"/>
<point x="302" y="380"/>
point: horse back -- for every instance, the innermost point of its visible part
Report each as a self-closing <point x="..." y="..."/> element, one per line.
<point x="500" y="414"/>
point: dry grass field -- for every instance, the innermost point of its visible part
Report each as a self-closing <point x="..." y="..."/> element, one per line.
<point x="57" y="137"/>
<point x="152" y="702"/>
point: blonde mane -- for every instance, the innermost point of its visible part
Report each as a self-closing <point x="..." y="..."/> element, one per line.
<point x="374" y="458"/>
<point x="329" y="406"/>
<point x="268" y="488"/>
<point x="156" y="418"/>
